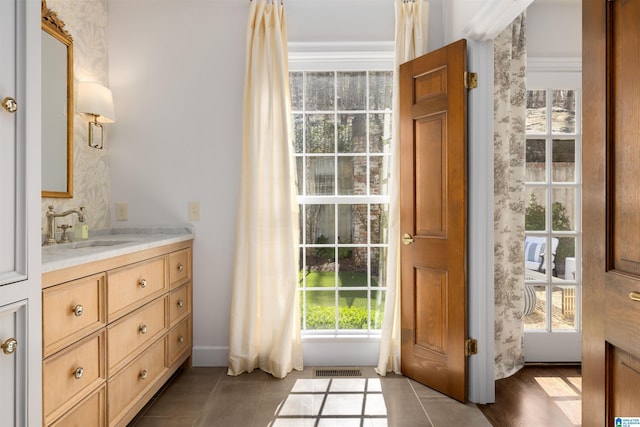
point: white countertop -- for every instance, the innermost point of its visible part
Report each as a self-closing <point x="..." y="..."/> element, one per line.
<point x="103" y="244"/>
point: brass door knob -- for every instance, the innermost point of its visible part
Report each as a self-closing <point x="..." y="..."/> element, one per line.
<point x="143" y="329"/>
<point x="9" y="346"/>
<point x="635" y="296"/>
<point x="143" y="374"/>
<point x="180" y="303"/>
<point x="407" y="239"/>
<point x="10" y="104"/>
<point x="180" y="268"/>
<point x="181" y="339"/>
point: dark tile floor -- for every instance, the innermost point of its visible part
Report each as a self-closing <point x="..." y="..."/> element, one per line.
<point x="208" y="397"/>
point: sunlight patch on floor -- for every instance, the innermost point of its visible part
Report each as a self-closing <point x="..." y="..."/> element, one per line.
<point x="333" y="402"/>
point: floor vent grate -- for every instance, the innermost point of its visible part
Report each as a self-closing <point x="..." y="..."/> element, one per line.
<point x="338" y="373"/>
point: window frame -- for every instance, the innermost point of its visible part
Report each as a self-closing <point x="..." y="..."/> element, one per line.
<point x="341" y="57"/>
<point x="558" y="74"/>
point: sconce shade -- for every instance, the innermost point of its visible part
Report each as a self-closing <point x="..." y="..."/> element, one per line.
<point x="97" y="101"/>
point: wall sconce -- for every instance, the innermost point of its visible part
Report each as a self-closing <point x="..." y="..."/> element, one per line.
<point x="95" y="101"/>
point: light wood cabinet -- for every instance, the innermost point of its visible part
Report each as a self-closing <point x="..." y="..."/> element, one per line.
<point x="114" y="331"/>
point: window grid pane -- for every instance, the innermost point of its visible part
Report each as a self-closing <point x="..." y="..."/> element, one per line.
<point x="343" y="242"/>
<point x="552" y="211"/>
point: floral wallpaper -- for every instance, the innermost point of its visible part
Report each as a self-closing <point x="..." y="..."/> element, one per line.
<point x="87" y="22"/>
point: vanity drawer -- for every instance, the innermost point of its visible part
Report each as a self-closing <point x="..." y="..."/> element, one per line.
<point x="134" y="285"/>
<point x="179" y="266"/>
<point x="179" y="340"/>
<point x="72" y="310"/>
<point x="129" y="335"/>
<point x="92" y="411"/>
<point x="179" y="304"/>
<point x="69" y="375"/>
<point x="134" y="380"/>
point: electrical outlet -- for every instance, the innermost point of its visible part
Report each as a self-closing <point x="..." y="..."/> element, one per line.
<point x="194" y="211"/>
<point x="122" y="211"/>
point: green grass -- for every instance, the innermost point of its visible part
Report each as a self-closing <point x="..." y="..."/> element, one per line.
<point x="352" y="305"/>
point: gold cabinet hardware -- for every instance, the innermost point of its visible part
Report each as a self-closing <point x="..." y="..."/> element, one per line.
<point x="407" y="239"/>
<point x="180" y="268"/>
<point x="180" y="303"/>
<point x="10" y="104"/>
<point x="181" y="339"/>
<point x="635" y="296"/>
<point x="78" y="373"/>
<point x="143" y="329"/>
<point x="78" y="310"/>
<point x="143" y="374"/>
<point x="9" y="346"/>
<point x="143" y="283"/>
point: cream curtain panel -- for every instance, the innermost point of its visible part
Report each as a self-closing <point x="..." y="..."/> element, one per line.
<point x="410" y="42"/>
<point x="265" y="321"/>
<point x="509" y="208"/>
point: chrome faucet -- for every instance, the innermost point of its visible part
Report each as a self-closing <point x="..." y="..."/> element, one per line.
<point x="51" y="223"/>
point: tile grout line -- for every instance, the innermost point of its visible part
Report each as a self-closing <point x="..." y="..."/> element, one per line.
<point x="420" y="402"/>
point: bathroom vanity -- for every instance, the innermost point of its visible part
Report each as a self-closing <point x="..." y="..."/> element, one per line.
<point x="116" y="323"/>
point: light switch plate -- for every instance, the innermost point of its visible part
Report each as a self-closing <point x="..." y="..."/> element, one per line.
<point x="194" y="211"/>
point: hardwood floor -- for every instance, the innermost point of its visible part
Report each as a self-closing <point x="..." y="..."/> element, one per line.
<point x="538" y="396"/>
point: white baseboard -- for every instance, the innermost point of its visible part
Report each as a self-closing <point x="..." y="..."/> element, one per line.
<point x="343" y="351"/>
<point x="210" y="356"/>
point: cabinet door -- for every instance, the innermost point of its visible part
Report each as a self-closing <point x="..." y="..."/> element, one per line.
<point x="12" y="166"/>
<point x="13" y="363"/>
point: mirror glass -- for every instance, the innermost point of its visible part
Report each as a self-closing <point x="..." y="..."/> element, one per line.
<point x="57" y="107"/>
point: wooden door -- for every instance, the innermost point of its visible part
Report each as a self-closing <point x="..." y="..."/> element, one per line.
<point x="433" y="220"/>
<point x="611" y="211"/>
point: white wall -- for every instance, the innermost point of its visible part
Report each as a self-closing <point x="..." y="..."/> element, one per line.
<point x="554" y="29"/>
<point x="176" y="72"/>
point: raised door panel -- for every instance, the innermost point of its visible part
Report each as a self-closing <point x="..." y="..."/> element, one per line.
<point x="433" y="211"/>
<point x="92" y="411"/>
<point x="68" y="376"/>
<point x="133" y="286"/>
<point x="134" y="380"/>
<point x="128" y="336"/>
<point x="179" y="340"/>
<point x="72" y="310"/>
<point x="611" y="211"/>
<point x="179" y="267"/>
<point x="179" y="304"/>
<point x="12" y="147"/>
<point x="13" y="364"/>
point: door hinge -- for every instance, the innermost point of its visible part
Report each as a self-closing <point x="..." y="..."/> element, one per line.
<point x="471" y="347"/>
<point x="470" y="80"/>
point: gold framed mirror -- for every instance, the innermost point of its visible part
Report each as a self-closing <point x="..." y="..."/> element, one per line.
<point x="57" y="106"/>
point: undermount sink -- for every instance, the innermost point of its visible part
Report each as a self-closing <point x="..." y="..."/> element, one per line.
<point x="92" y="243"/>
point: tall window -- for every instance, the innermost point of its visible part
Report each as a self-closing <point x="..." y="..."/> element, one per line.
<point x="342" y="126"/>
<point x="552" y="220"/>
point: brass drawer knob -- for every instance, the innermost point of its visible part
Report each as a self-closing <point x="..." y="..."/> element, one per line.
<point x="180" y="268"/>
<point x="9" y="346"/>
<point x="180" y="303"/>
<point x="181" y="339"/>
<point x="78" y="310"/>
<point x="143" y="329"/>
<point x="143" y="283"/>
<point x="10" y="104"/>
<point x="635" y="296"/>
<point x="78" y="373"/>
<point x="143" y="374"/>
